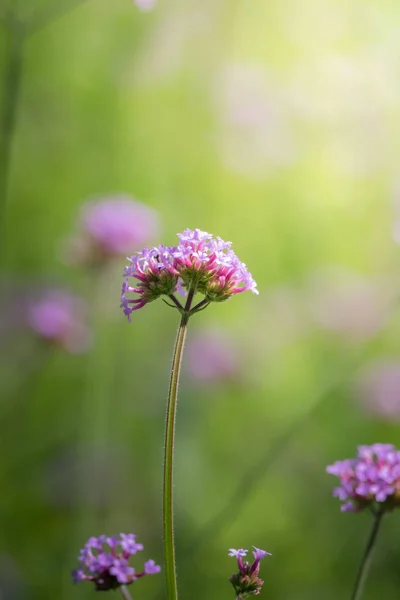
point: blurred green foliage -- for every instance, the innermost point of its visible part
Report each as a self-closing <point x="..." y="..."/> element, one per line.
<point x="113" y="99"/>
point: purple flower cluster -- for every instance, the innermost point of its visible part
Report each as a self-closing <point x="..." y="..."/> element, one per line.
<point x="200" y="263"/>
<point x="112" y="226"/>
<point x="373" y="477"/>
<point x="105" y="562"/>
<point x="246" y="582"/>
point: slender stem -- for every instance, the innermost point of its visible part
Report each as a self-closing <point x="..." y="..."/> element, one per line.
<point x="366" y="558"/>
<point x="201" y="305"/>
<point x="175" y="301"/>
<point x="123" y="590"/>
<point x="168" y="524"/>
<point x="8" y="116"/>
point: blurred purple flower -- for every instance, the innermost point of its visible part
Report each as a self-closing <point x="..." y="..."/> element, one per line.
<point x="378" y="387"/>
<point x="129" y="544"/>
<point x="246" y="582"/>
<point x="349" y="304"/>
<point x="59" y="318"/>
<point x="199" y="262"/>
<point x="111" y="227"/>
<point x="370" y="480"/>
<point x="150" y="567"/>
<point x="105" y="562"/>
<point x="211" y="356"/>
<point x="121" y="570"/>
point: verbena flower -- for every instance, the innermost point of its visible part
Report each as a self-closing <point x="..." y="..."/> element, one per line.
<point x="246" y="582"/>
<point x="372" y="480"/>
<point x="112" y="226"/>
<point x="200" y="263"/>
<point x="105" y="559"/>
<point x="59" y="318"/>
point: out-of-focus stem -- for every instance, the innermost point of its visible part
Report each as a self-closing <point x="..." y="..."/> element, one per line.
<point x="168" y="522"/>
<point x="366" y="558"/>
<point x="56" y="11"/>
<point x="11" y="85"/>
<point x="123" y="590"/>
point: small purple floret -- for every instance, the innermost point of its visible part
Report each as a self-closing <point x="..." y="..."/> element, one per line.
<point x="121" y="570"/>
<point x="150" y="567"/>
<point x="129" y="544"/>
<point x="240" y="552"/>
<point x="370" y="480"/>
<point x="259" y="554"/>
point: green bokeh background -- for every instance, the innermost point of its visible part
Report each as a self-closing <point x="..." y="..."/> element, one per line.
<point x="113" y="99"/>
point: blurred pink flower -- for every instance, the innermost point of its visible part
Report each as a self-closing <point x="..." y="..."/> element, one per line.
<point x="378" y="388"/>
<point x="211" y="356"/>
<point x="145" y="5"/>
<point x="350" y="304"/>
<point x="110" y="227"/>
<point x="59" y="318"/>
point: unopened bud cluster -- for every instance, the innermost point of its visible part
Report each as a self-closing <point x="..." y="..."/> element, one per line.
<point x="246" y="581"/>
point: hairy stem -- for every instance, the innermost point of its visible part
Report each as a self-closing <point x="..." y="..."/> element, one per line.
<point x="168" y="523"/>
<point x="123" y="590"/>
<point x="366" y="558"/>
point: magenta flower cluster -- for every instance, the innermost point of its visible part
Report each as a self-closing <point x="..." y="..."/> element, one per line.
<point x="200" y="263"/>
<point x="370" y="480"/>
<point x="246" y="582"/>
<point x="105" y="562"/>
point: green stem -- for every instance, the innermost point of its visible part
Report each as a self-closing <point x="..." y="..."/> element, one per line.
<point x="168" y="523"/>
<point x="366" y="558"/>
<point x="123" y="590"/>
<point x="14" y="36"/>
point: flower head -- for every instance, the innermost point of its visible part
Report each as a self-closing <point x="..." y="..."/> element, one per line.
<point x="58" y="318"/>
<point x="370" y="480"/>
<point x="246" y="582"/>
<point x="110" y="227"/>
<point x="105" y="562"/>
<point x="200" y="264"/>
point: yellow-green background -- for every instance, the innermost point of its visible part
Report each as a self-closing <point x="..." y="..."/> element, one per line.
<point x="117" y="100"/>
